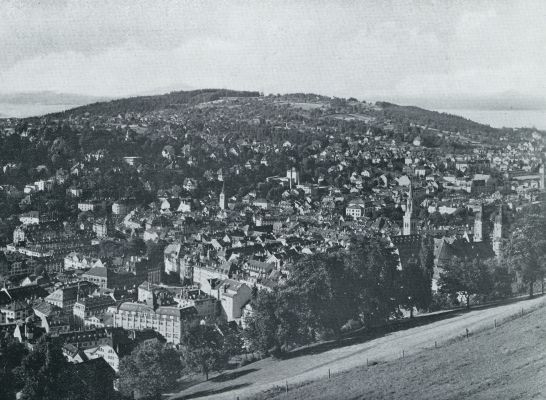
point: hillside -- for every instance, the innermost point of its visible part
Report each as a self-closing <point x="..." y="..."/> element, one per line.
<point x="507" y="362"/>
<point x="143" y="104"/>
<point x="183" y="99"/>
<point x="455" y="370"/>
<point x="433" y="119"/>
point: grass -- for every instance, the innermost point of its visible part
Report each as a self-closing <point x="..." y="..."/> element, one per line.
<point x="507" y="362"/>
<point x="308" y="369"/>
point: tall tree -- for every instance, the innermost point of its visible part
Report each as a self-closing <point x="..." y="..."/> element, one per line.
<point x="375" y="279"/>
<point x="329" y="296"/>
<point x="47" y="375"/>
<point x="203" y="349"/>
<point x="149" y="370"/>
<point x="415" y="287"/>
<point x="275" y="323"/>
<point x="465" y="277"/>
<point x="526" y="250"/>
<point x="12" y="354"/>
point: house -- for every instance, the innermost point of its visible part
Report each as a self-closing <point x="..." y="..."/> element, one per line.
<point x="74" y="192"/>
<point x="119" y="208"/>
<point x="66" y="297"/>
<point x="233" y="296"/>
<point x="259" y="269"/>
<point x="261" y="203"/>
<point x="99" y="275"/>
<point x="95" y="306"/>
<point x="355" y="211"/>
<point x="106" y="352"/>
<point x="30" y="218"/>
<point x="190" y="184"/>
<point x="89" y="206"/>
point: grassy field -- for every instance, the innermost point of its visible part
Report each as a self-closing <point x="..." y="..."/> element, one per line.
<point x="508" y="362"/>
<point x="448" y="372"/>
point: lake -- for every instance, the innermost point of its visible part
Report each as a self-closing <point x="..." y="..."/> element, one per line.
<point x="12" y="110"/>
<point x="504" y="118"/>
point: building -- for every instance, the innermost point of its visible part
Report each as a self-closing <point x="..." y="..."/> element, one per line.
<point x="356" y="208"/>
<point x="119" y="208"/>
<point x="100" y="227"/>
<point x="233" y="296"/>
<point x="223" y="202"/>
<point x="30" y="218"/>
<point x="168" y="321"/>
<point x="66" y="297"/>
<point x="106" y="352"/>
<point x="132" y="160"/>
<point x="76" y="260"/>
<point x="89" y="206"/>
<point x="478" y="225"/>
<point x="293" y="177"/>
<point x="498" y="233"/>
<point x="410" y="219"/>
<point x="95" y="306"/>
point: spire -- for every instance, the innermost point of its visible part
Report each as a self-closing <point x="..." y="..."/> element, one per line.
<point x="409" y="201"/>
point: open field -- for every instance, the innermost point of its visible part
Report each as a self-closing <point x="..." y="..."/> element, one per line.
<point x="504" y="363"/>
<point x="512" y="352"/>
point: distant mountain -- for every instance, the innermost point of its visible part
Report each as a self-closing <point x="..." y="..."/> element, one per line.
<point x="509" y="100"/>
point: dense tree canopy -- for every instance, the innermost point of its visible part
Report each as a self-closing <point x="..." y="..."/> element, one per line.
<point x="149" y="370"/>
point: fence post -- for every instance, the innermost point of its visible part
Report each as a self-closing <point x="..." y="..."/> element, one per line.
<point x="495" y="323"/>
<point x="367" y="363"/>
<point x="286" y="386"/>
<point x="466" y="333"/>
<point x="435" y="344"/>
<point x="403" y="353"/>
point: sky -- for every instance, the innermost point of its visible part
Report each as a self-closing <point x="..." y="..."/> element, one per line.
<point x="365" y="49"/>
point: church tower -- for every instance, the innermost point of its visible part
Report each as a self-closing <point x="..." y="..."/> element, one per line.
<point x="497" y="233"/>
<point x="478" y="225"/>
<point x="223" y="198"/>
<point x="410" y="221"/>
<point x="541" y="182"/>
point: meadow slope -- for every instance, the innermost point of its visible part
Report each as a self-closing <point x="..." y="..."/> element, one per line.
<point x="424" y="372"/>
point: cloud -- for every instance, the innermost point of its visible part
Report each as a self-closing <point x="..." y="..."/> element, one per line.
<point x="344" y="48"/>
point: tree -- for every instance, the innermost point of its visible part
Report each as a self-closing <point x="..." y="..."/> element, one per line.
<point x="416" y="292"/>
<point x="275" y="322"/>
<point x="374" y="278"/>
<point x="465" y="277"/>
<point x="45" y="374"/>
<point x="526" y="250"/>
<point x="203" y="349"/>
<point x="12" y="354"/>
<point x="150" y="369"/>
<point x="327" y="296"/>
<point x="501" y="278"/>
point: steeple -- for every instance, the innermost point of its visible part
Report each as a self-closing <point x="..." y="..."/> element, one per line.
<point x="409" y="201"/>
<point x="541" y="182"/>
<point x="410" y="221"/>
<point x="497" y="232"/>
<point x="478" y="225"/>
<point x="223" y="197"/>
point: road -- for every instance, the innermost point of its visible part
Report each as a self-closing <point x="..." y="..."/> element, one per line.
<point x="268" y="373"/>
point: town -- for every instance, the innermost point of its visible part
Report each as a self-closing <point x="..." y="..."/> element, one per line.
<point x="218" y="227"/>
